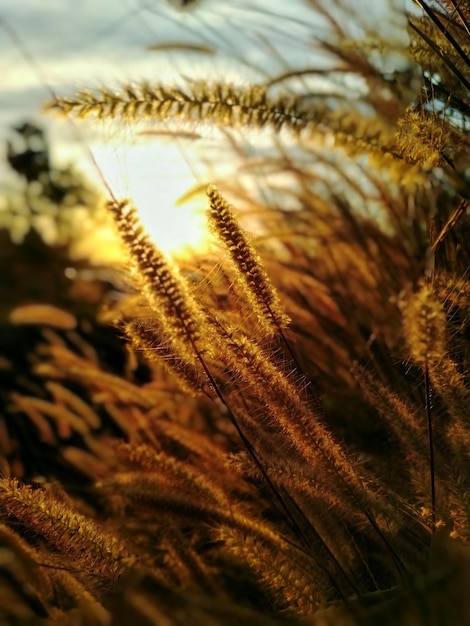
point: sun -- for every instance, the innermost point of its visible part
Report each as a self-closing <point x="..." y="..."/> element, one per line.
<point x="156" y="173"/>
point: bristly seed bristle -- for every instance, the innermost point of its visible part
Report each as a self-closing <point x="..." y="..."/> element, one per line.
<point x="250" y="272"/>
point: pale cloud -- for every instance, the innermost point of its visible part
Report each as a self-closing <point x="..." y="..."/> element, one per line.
<point x="65" y="45"/>
<point x="68" y="45"/>
<point x="90" y="43"/>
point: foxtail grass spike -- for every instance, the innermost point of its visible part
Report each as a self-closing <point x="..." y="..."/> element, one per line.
<point x="250" y="272"/>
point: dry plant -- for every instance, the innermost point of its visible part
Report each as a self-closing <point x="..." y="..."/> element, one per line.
<point x="294" y="449"/>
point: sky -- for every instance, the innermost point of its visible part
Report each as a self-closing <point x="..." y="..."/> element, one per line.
<point x="60" y="46"/>
<point x="71" y="44"/>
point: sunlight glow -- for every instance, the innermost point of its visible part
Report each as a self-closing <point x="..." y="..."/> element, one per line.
<point x="154" y="174"/>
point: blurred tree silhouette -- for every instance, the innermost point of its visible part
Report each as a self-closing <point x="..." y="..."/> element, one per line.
<point x="51" y="198"/>
<point x="47" y="216"/>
